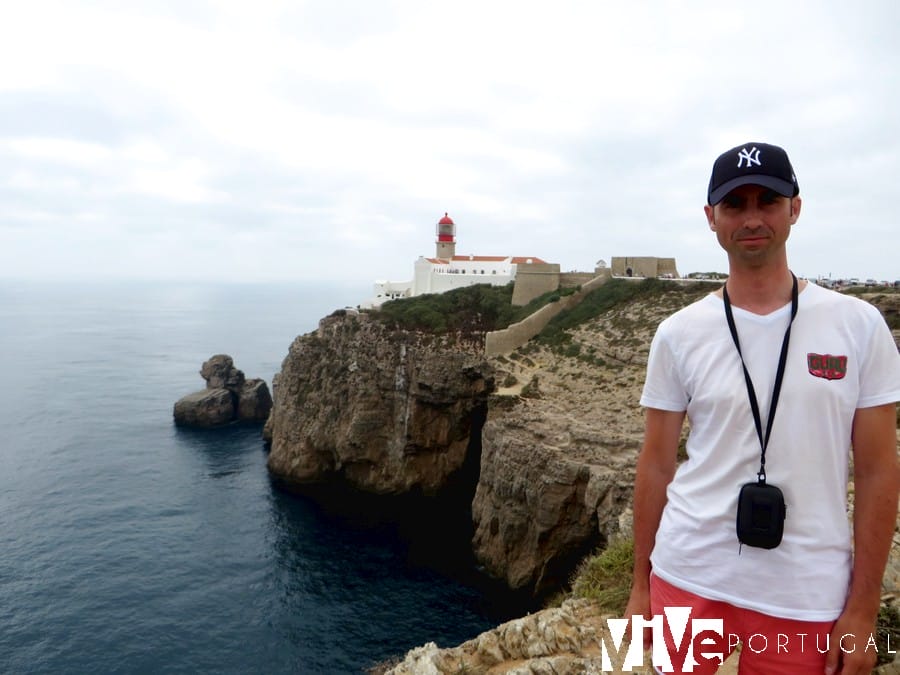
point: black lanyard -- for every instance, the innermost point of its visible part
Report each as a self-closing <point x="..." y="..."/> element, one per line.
<point x="779" y="375"/>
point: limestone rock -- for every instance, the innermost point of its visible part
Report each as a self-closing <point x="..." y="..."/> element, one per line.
<point x="227" y="397"/>
<point x="220" y="373"/>
<point x="383" y="411"/>
<point x="254" y="401"/>
<point x="559" y="641"/>
<point x="537" y="511"/>
<point x="205" y="408"/>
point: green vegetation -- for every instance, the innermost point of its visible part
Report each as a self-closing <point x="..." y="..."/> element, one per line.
<point x="606" y="577"/>
<point x="477" y="308"/>
<point x="481" y="307"/>
<point x="611" y="294"/>
<point x="707" y="275"/>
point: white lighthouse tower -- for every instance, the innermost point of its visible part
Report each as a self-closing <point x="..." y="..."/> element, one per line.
<point x="446" y="239"/>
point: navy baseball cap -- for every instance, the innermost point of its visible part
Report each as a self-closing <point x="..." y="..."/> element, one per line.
<point x="752" y="164"/>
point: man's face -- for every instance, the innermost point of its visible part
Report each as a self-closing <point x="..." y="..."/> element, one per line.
<point x="752" y="223"/>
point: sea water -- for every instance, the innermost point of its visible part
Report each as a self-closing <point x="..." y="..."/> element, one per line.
<point x="128" y="545"/>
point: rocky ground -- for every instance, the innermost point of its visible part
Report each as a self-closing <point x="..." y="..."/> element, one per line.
<point x="588" y="388"/>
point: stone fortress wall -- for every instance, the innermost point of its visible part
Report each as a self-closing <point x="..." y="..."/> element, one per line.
<point x="514" y="336"/>
<point x="644" y="266"/>
<point x="533" y="281"/>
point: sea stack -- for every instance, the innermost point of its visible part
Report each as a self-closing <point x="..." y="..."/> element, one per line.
<point x="228" y="397"/>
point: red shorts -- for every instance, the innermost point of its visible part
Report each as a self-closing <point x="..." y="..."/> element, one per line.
<point x="769" y="645"/>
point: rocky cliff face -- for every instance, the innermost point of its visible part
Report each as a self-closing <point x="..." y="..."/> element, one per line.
<point x="382" y="411"/>
<point x="561" y="443"/>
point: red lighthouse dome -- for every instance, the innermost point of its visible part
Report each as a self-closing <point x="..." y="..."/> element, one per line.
<point x="446" y="229"/>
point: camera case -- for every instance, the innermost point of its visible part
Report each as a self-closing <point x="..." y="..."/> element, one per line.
<point x="760" y="516"/>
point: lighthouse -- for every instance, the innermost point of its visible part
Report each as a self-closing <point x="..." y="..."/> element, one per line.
<point x="446" y="239"/>
<point x="446" y="270"/>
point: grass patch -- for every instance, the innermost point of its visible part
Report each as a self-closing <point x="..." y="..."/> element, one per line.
<point x="606" y="577"/>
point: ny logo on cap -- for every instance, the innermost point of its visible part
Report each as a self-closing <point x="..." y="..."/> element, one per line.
<point x="751" y="157"/>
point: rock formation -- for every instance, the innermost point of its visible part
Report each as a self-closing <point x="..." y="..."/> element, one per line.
<point x="560" y="446"/>
<point x="383" y="411"/>
<point x="562" y="641"/>
<point x="228" y="397"/>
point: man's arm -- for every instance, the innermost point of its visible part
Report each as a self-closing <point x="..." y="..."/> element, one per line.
<point x="876" y="478"/>
<point x="655" y="469"/>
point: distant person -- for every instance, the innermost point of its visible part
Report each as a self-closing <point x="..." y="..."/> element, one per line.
<point x="782" y="383"/>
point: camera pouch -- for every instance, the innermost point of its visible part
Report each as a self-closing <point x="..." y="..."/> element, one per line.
<point x="760" y="515"/>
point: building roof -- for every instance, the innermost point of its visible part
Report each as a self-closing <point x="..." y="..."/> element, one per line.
<point x="446" y="220"/>
<point x="515" y="260"/>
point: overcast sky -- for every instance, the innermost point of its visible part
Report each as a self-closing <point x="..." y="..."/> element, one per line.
<point x="296" y="140"/>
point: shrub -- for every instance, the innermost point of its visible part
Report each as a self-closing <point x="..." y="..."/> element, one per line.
<point x="481" y="307"/>
<point x="606" y="577"/>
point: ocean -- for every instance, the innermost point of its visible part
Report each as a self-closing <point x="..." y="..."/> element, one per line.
<point x="128" y="545"/>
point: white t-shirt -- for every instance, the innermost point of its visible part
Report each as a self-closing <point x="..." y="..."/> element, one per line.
<point x="841" y="357"/>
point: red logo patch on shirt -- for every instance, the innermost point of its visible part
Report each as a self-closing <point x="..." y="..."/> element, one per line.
<point x="827" y="366"/>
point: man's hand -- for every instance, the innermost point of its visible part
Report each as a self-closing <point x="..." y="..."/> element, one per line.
<point x="639" y="605"/>
<point x="851" y="646"/>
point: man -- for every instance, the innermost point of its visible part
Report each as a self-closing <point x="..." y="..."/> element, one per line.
<point x="825" y="375"/>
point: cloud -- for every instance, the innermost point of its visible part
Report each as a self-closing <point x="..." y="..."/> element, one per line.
<point x="319" y="140"/>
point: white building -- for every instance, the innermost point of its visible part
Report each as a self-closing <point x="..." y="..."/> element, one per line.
<point x="446" y="270"/>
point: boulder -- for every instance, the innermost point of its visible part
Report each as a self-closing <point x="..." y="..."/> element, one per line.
<point x="205" y="408"/>
<point x="254" y="401"/>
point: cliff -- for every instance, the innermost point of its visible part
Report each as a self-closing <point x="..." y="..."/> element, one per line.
<point x="382" y="411"/>
<point x="561" y="440"/>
